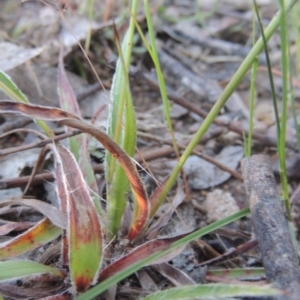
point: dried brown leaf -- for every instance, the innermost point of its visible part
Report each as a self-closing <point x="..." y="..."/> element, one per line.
<point x="67" y="97"/>
<point x="15" y="292"/>
<point x="35" y="111"/>
<point x="140" y="253"/>
<point x="177" y="277"/>
<point x="164" y="219"/>
<point x="51" y="212"/>
<point x="15" y="226"/>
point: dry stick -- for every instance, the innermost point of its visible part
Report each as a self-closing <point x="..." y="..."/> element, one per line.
<point x="166" y="150"/>
<point x="39" y="143"/>
<point x="20" y="122"/>
<point x="150" y="155"/>
<point x="190" y="106"/>
<point x="44" y="177"/>
<point x="230" y="253"/>
<point x="22" y="181"/>
<point x="27" y="130"/>
<point x="271" y="227"/>
<point x="38" y="179"/>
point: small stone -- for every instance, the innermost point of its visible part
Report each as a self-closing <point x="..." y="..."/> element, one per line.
<point x="219" y="205"/>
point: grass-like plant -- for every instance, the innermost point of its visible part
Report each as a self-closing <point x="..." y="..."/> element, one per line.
<point x="122" y="129"/>
<point x="83" y="225"/>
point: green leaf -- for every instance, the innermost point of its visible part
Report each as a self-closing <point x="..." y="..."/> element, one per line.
<point x="237" y="273"/>
<point x="213" y="291"/>
<point x="122" y="129"/>
<point x="15" y="269"/>
<point x="10" y="88"/>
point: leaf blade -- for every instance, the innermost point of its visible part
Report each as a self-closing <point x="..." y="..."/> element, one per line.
<point x="84" y="231"/>
<point x="213" y="291"/>
<point x="11" y="89"/>
<point x="15" y="269"/>
<point x="40" y="234"/>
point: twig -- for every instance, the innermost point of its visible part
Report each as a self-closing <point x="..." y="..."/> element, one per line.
<point x="22" y="181"/>
<point x="39" y="144"/>
<point x="228" y="48"/>
<point x="38" y="179"/>
<point x="232" y="252"/>
<point x="150" y="155"/>
<point x="16" y="123"/>
<point x="271" y="227"/>
<point x="168" y="150"/>
<point x="191" y="107"/>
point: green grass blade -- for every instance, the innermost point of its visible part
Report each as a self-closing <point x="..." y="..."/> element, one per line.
<point x="161" y="80"/>
<point x="11" y="89"/>
<point x="213" y="291"/>
<point x="229" y="89"/>
<point x="106" y="284"/>
<point x="296" y="32"/>
<point x="281" y="126"/>
<point x="122" y="130"/>
<point x="248" y="143"/>
<point x="251" y="108"/>
<point x="269" y="68"/>
<point x="285" y="56"/>
<point x="14" y="269"/>
<point x="294" y="108"/>
<point x="237" y="273"/>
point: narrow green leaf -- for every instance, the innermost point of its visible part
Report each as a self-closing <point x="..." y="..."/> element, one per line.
<point x="237" y="273"/>
<point x="10" y="88"/>
<point x="285" y="60"/>
<point x="14" y="269"/>
<point x="122" y="129"/>
<point x="161" y="80"/>
<point x="213" y="291"/>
